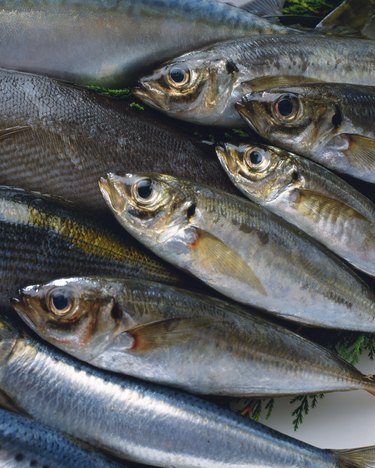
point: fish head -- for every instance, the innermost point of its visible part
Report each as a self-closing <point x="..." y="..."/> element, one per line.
<point x="285" y="117"/>
<point x="72" y="313"/>
<point x="194" y="87"/>
<point x="260" y="171"/>
<point x="156" y="209"/>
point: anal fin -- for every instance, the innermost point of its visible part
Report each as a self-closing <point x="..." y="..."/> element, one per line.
<point x="165" y="333"/>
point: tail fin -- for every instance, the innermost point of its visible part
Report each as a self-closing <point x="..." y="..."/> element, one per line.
<point x="356" y="458"/>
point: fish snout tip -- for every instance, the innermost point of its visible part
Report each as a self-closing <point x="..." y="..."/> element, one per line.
<point x="113" y="188"/>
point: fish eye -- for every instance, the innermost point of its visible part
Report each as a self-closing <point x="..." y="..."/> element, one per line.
<point x="178" y="77"/>
<point x="286" y="107"/>
<point x="144" y="189"/>
<point x="257" y="159"/>
<point x="60" y="301"/>
<point x="144" y="192"/>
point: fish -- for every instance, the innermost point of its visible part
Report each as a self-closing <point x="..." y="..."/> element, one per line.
<point x="145" y="330"/>
<point x="241" y="250"/>
<point x="135" y="420"/>
<point x="332" y="124"/>
<point x="62" y="139"/>
<point x="307" y="195"/>
<point x="203" y="86"/>
<point x="43" y="238"/>
<point x="113" y="42"/>
<point x="25" y="443"/>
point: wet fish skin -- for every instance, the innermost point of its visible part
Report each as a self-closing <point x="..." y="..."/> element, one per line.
<point x="241" y="250"/>
<point x="118" y="40"/>
<point x="26" y="443"/>
<point x="62" y="139"/>
<point x="306" y="195"/>
<point x="146" y="330"/>
<point x="140" y="421"/>
<point x="333" y="124"/>
<point x="211" y="80"/>
<point x="42" y="237"/>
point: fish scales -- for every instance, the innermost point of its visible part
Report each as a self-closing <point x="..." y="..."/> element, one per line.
<point x="42" y="237"/>
<point x="139" y="421"/>
<point x="211" y="80"/>
<point x="227" y="350"/>
<point x="289" y="55"/>
<point x="27" y="443"/>
<point x="242" y="250"/>
<point x="63" y="139"/>
<point x="117" y="40"/>
<point x="330" y="123"/>
<point x="306" y="195"/>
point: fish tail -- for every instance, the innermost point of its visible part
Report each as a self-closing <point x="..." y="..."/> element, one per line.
<point x="356" y="458"/>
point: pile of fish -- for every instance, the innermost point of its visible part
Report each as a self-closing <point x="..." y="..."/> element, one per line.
<point x="108" y="335"/>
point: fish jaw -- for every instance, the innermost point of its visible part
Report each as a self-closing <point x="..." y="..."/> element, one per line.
<point x="244" y="111"/>
<point x="26" y="306"/>
<point x="113" y="189"/>
<point x="227" y="159"/>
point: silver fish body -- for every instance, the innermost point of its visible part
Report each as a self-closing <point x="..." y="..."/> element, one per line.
<point x="333" y="124"/>
<point x="308" y="196"/>
<point x="147" y="330"/>
<point x="241" y="250"/>
<point x="25" y="443"/>
<point x="204" y="86"/>
<point x="110" y="43"/>
<point x="61" y="139"/>
<point x="139" y="421"/>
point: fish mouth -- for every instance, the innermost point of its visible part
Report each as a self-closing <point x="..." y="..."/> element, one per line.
<point x="117" y="191"/>
<point x="242" y="109"/>
<point x="149" y="94"/>
<point x="226" y="159"/>
<point x="23" y="305"/>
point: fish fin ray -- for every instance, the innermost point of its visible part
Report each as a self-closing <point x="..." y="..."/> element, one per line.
<point x="164" y="333"/>
<point x="9" y="132"/>
<point x="363" y="457"/>
<point x="352" y="16"/>
<point x="261" y="7"/>
<point x="217" y="257"/>
<point x="361" y="151"/>
<point x="312" y="204"/>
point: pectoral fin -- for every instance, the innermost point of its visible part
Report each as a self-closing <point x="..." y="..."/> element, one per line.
<point x="361" y="153"/>
<point x="165" y="333"/>
<point x="317" y="206"/>
<point x="11" y="131"/>
<point x="218" y="258"/>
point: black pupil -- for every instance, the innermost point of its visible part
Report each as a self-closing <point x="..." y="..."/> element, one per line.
<point x="144" y="188"/>
<point x="60" y="301"/>
<point x="285" y="107"/>
<point x="255" y="157"/>
<point x="177" y="75"/>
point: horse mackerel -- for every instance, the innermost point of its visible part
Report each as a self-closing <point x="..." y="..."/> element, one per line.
<point x="144" y="422"/>
<point x="203" y="86"/>
<point x="241" y="250"/>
